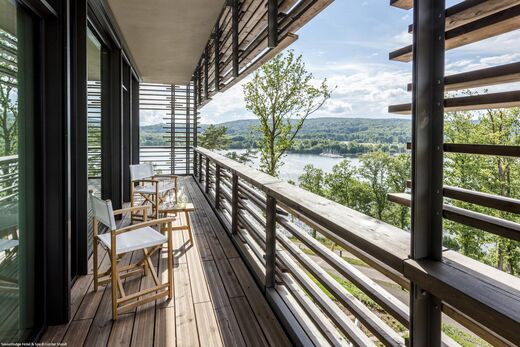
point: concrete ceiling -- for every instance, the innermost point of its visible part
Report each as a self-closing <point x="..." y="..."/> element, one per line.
<point x="166" y="37"/>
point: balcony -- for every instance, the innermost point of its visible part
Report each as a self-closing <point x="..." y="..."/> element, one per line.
<point x="217" y="301"/>
<point x="81" y="75"/>
<point x="247" y="280"/>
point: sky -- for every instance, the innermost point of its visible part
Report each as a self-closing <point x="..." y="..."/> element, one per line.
<point x="348" y="44"/>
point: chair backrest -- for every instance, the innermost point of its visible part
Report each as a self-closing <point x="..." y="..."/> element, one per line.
<point x="103" y="211"/>
<point x="141" y="171"/>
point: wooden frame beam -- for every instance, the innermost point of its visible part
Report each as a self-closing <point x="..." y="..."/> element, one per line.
<point x="272" y="19"/>
<point x="427" y="158"/>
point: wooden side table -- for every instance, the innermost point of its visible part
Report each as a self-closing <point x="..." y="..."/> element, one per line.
<point x="172" y="208"/>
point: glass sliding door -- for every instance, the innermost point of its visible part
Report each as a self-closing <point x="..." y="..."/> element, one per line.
<point x="19" y="246"/>
<point x="94" y="122"/>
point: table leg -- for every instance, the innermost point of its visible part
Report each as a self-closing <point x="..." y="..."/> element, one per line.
<point x="188" y="222"/>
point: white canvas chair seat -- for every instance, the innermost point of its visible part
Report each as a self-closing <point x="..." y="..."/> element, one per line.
<point x="150" y="189"/>
<point x="133" y="240"/>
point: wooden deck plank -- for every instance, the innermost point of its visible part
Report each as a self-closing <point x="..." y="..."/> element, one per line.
<point x="165" y="327"/>
<point x="229" y="328"/>
<point x="122" y="329"/>
<point x="77" y="332"/>
<point x="120" y="335"/>
<point x="179" y="248"/>
<point x="271" y="327"/>
<point x="251" y="331"/>
<point x="91" y="299"/>
<point x="199" y="288"/>
<point x="207" y="325"/>
<point x="185" y="323"/>
<point x="101" y="326"/>
<point x="143" y="332"/>
<point x="229" y="279"/>
<point x="212" y="226"/>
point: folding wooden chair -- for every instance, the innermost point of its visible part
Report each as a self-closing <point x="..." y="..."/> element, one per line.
<point x="124" y="240"/>
<point x="153" y="189"/>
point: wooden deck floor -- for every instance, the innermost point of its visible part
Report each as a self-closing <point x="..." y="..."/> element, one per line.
<point x="217" y="302"/>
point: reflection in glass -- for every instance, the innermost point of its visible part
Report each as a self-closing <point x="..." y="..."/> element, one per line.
<point x="94" y="115"/>
<point x="18" y="311"/>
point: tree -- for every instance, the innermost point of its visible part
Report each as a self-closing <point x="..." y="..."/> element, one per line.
<point x="340" y="182"/>
<point x="312" y="179"/>
<point x="244" y="157"/>
<point x="282" y="94"/>
<point x="399" y="171"/>
<point x="490" y="174"/>
<point x="375" y="170"/>
<point x="8" y="98"/>
<point x="214" y="138"/>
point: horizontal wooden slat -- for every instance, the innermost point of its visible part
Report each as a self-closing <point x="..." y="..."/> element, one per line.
<point x="471" y="10"/>
<point x="469" y="103"/>
<point x="477" y="220"/>
<point x="464" y="148"/>
<point x="496" y="24"/>
<point x="498" y="150"/>
<point x="508" y="73"/>
<point x="323" y="323"/>
<point x="482" y="221"/>
<point x="391" y="304"/>
<point x="488" y="296"/>
<point x="483" y="199"/>
<point x="404" y="4"/>
<point x="360" y="311"/>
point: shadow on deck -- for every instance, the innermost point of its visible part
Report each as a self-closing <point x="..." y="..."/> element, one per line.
<point x="216" y="303"/>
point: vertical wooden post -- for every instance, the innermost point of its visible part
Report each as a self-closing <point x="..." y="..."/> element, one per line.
<point x="270" y="241"/>
<point x="427" y="162"/>
<point x="217" y="186"/>
<point x="234" y="37"/>
<point x="216" y="42"/>
<point x="234" y="204"/>
<point x="206" y="72"/>
<point x="195" y="165"/>
<point x="200" y="167"/>
<point x="272" y="22"/>
<point x="207" y="176"/>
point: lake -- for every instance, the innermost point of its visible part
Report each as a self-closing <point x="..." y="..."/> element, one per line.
<point x="294" y="163"/>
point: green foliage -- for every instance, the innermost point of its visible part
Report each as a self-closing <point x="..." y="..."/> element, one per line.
<point x="282" y="95"/>
<point x="244" y="158"/>
<point x="312" y="179"/>
<point x="8" y="98"/>
<point x="365" y="188"/>
<point x="490" y="174"/>
<point x="214" y="137"/>
<point x="342" y="136"/>
<point x="462" y="337"/>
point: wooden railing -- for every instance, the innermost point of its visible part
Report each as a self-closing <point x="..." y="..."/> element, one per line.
<point x="269" y="222"/>
<point x="8" y="180"/>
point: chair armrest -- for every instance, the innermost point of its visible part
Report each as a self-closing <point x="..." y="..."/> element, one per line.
<point x="131" y="209"/>
<point x="166" y="177"/>
<point x="154" y="181"/>
<point x="165" y="220"/>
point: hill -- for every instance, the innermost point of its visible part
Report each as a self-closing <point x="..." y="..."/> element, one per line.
<point x="389" y="131"/>
<point x="366" y="130"/>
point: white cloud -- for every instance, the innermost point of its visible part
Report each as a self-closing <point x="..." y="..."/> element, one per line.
<point x="226" y="106"/>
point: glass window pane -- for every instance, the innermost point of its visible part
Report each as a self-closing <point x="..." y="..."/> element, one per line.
<point x="18" y="305"/>
<point x="94" y="116"/>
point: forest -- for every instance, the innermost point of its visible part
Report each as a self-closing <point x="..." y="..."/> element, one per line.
<point x="340" y="136"/>
<point x="365" y="188"/>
